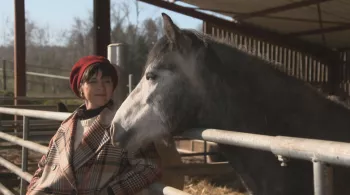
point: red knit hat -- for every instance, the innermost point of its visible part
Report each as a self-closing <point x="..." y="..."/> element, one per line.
<point x="79" y="68"/>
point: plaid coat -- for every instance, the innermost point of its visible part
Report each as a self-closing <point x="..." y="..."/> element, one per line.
<point x="95" y="167"/>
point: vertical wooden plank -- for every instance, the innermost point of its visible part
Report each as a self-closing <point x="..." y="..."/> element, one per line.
<point x="236" y="39"/>
<point x="280" y="58"/>
<point x="314" y="68"/>
<point x="318" y="67"/>
<point x="323" y="72"/>
<point x="19" y="51"/>
<point x="285" y="61"/>
<point x="300" y="63"/>
<point x="102" y="26"/>
<point x="255" y="49"/>
<point x="297" y="64"/>
<point x="325" y="69"/>
<point x="264" y="49"/>
<point x="4" y="75"/>
<point x="240" y="39"/>
<point x="292" y="60"/>
<point x="279" y="54"/>
<point x="305" y="68"/>
<point x="297" y="72"/>
<point x="289" y="59"/>
<point x="347" y="62"/>
<point x="271" y="53"/>
<point x="222" y="34"/>
<point x="268" y="51"/>
<point x="311" y="73"/>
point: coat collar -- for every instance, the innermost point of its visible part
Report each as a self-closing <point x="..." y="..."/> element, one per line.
<point x="94" y="139"/>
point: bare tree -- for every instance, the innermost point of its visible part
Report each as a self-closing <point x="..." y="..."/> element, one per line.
<point x="46" y="57"/>
<point x="150" y="31"/>
<point x="8" y="32"/>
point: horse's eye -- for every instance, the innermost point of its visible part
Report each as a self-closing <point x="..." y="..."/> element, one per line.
<point x="151" y="76"/>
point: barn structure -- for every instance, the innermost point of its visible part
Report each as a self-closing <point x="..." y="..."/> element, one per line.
<point x="310" y="38"/>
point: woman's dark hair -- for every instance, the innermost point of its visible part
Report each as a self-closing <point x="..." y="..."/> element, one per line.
<point x="106" y="69"/>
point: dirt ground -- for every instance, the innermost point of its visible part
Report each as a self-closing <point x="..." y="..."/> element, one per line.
<point x="218" y="184"/>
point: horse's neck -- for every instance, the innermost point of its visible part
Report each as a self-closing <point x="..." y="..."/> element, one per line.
<point x="247" y="94"/>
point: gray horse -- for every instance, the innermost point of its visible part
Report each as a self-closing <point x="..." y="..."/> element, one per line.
<point x="192" y="80"/>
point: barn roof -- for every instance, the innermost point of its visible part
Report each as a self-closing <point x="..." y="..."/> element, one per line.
<point x="322" y="22"/>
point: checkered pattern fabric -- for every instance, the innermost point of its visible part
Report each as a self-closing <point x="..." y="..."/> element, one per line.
<point x="95" y="167"/>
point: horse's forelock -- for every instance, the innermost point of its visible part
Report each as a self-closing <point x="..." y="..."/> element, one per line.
<point x="164" y="45"/>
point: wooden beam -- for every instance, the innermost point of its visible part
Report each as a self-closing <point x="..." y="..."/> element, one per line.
<point x="227" y="12"/>
<point x="281" y="8"/>
<point x="102" y="27"/>
<point x="321" y="22"/>
<point x="320" y="31"/>
<point x="319" y="51"/>
<point x="19" y="51"/>
<point x="306" y="20"/>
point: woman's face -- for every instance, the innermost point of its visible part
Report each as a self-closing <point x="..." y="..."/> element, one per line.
<point x="97" y="91"/>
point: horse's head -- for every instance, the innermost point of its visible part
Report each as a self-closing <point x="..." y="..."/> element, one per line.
<point x="169" y="94"/>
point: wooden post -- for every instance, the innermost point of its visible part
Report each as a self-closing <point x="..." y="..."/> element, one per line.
<point x="102" y="26"/>
<point x="19" y="51"/>
<point x="19" y="68"/>
<point x="4" y="75"/>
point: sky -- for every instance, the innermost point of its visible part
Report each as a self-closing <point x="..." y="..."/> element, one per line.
<point x="58" y="15"/>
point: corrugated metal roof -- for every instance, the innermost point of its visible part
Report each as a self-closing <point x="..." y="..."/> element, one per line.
<point x="327" y="24"/>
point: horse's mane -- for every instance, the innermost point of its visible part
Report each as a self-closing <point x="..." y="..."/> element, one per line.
<point x="252" y="53"/>
<point x="207" y="39"/>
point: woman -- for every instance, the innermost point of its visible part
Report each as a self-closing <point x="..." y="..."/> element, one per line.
<point x="81" y="158"/>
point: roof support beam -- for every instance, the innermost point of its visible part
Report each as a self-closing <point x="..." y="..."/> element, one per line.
<point x="282" y="8"/>
<point x="305" y="20"/>
<point x="102" y="27"/>
<point x="319" y="31"/>
<point x="276" y="17"/>
<point x="19" y="51"/>
<point x="319" y="51"/>
<point x="321" y="22"/>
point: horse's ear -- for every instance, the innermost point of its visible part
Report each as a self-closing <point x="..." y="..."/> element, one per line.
<point x="173" y="33"/>
<point x="170" y="29"/>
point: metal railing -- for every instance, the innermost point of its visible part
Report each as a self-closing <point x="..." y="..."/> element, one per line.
<point x="38" y="98"/>
<point x="319" y="152"/>
<point x="22" y="172"/>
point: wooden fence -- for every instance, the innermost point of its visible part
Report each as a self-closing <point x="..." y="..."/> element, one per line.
<point x="292" y="62"/>
<point x="40" y="79"/>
